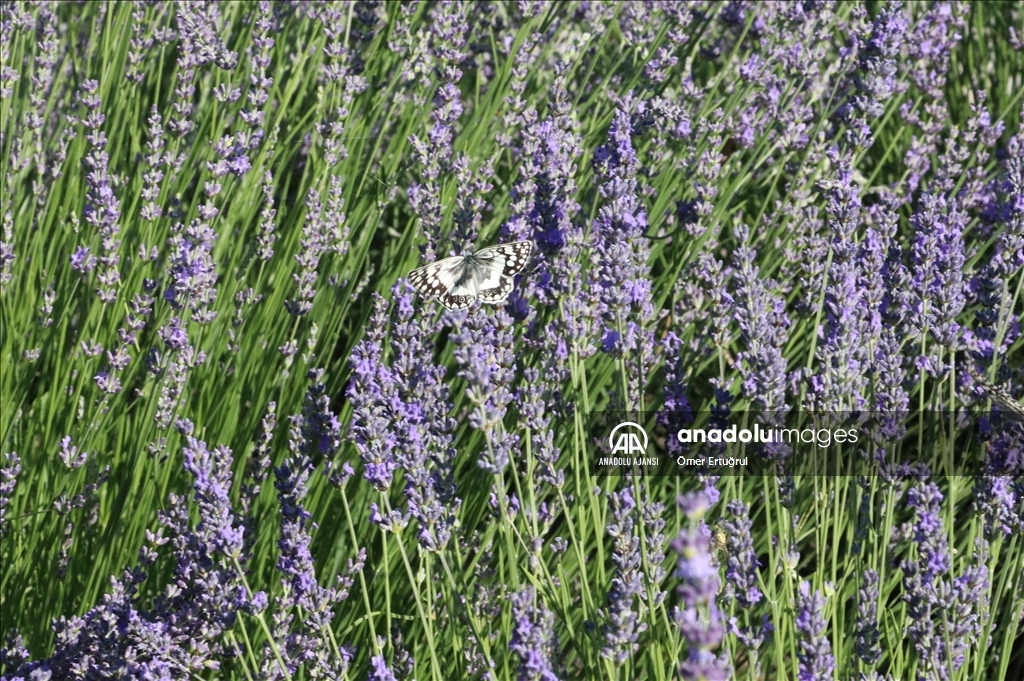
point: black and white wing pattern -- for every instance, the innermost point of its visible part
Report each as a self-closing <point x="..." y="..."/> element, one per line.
<point x="485" y="275"/>
<point x="511" y="258"/>
<point x="1000" y="396"/>
<point x="437" y="278"/>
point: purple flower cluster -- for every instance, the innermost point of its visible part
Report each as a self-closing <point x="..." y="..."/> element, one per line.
<point x="842" y="382"/>
<point x="761" y="316"/>
<point x="937" y="268"/>
<point x="816" y="661"/>
<point x="620" y="273"/>
<point x="400" y="419"/>
<point x="874" y="79"/>
<point x="102" y="209"/>
<point x="624" y="626"/>
<point x="192" y="272"/>
<point x="304" y="641"/>
<point x="8" y="482"/>
<point x="484" y="352"/>
<point x="944" y="612"/>
<point x="371" y="391"/>
<point x="701" y="622"/>
<point x="534" y="401"/>
<point x="866" y="643"/>
<point x="426" y="452"/>
<point x="742" y="564"/>
<point x="533" y="638"/>
<point x="181" y="634"/>
<point x="543" y="207"/>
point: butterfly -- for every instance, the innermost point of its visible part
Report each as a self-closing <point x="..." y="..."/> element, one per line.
<point x="1001" y="396"/>
<point x="485" y="275"/>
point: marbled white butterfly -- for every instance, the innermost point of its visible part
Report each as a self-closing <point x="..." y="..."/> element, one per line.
<point x="485" y="275"/>
<point x="1014" y="410"/>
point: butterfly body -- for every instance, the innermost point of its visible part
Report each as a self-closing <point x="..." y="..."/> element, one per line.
<point x="485" y="275"/>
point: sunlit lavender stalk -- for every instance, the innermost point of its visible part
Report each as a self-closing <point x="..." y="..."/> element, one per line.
<point x="8" y="482"/>
<point x="701" y="622"/>
<point x="533" y="638"/>
<point x="816" y="662"/>
<point x="624" y="625"/>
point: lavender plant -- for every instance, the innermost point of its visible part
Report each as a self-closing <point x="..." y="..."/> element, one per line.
<point x="248" y="448"/>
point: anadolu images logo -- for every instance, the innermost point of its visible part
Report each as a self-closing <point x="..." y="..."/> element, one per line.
<point x="628" y="441"/>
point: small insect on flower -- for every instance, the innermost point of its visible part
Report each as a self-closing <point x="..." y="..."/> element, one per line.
<point x="719" y="541"/>
<point x="485" y="275"/>
<point x="1001" y="396"/>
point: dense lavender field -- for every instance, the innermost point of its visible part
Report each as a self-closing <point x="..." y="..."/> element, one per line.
<point x="236" y="443"/>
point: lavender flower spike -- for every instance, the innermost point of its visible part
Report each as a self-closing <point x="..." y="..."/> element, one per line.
<point x="533" y="638"/>
<point x="815" y="654"/>
<point x="700" y="621"/>
<point x="380" y="671"/>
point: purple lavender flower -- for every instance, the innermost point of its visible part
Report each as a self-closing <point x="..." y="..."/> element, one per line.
<point x="622" y="284"/>
<point x="533" y="638"/>
<point x="321" y="231"/>
<point x="997" y="497"/>
<point x="938" y="259"/>
<point x="402" y="662"/>
<point x="677" y="412"/>
<point x="930" y="45"/>
<point x="721" y="303"/>
<point x="840" y="384"/>
<point x="379" y="670"/>
<point x="182" y="631"/>
<point x="874" y="80"/>
<point x="742" y="564"/>
<point x="866" y="643"/>
<point x="370" y="391"/>
<point x="543" y="207"/>
<point x="8" y="482"/>
<point x="653" y="514"/>
<point x="173" y="371"/>
<point x="624" y="625"/>
<point x="70" y="454"/>
<point x="762" y="319"/>
<point x="174" y="336"/>
<point x="425" y="438"/>
<point x="138" y="44"/>
<point x="943" y="612"/>
<point x="307" y="437"/>
<point x="192" y="272"/>
<point x="82" y="261"/>
<point x="891" y="398"/>
<point x="266" y="238"/>
<point x="533" y="400"/>
<point x="7" y="255"/>
<point x="257" y="96"/>
<point x="816" y="662"/>
<point x="400" y="419"/>
<point x="701" y="622"/>
<point x="102" y="209"/>
<point x="483" y="350"/>
<point x="156" y="160"/>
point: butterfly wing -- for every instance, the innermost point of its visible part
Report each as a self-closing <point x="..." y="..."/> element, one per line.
<point x="506" y="259"/>
<point x="487" y="274"/>
<point x="496" y="294"/>
<point x="438" y="278"/>
<point x="1011" y="407"/>
<point x="454" y="301"/>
